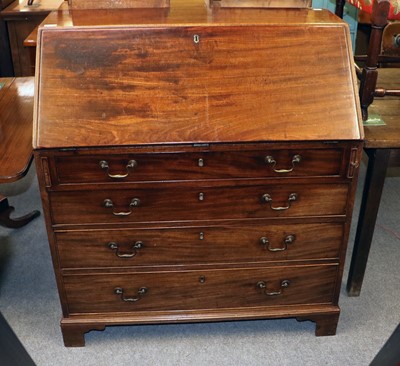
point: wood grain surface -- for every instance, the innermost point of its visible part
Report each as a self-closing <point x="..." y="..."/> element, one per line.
<point x="171" y="202"/>
<point x="16" y="120"/>
<point x="199" y="97"/>
<point x="183" y="290"/>
<point x="224" y="88"/>
<point x="206" y="245"/>
<point x="199" y="165"/>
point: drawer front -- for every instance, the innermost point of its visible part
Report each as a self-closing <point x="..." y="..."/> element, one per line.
<point x="208" y="289"/>
<point x="200" y="245"/>
<point x="177" y="203"/>
<point x="195" y="166"/>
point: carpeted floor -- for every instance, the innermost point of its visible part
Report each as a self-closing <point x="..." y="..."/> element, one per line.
<point x="29" y="302"/>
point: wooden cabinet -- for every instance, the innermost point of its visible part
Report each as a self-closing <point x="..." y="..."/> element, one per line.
<point x="175" y="187"/>
<point x="21" y="20"/>
<point x="6" y="68"/>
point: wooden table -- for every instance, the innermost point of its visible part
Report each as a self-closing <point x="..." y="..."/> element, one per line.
<point x="16" y="105"/>
<point x="382" y="144"/>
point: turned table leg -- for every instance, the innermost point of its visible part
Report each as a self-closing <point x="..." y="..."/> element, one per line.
<point x="5" y="211"/>
<point x="373" y="186"/>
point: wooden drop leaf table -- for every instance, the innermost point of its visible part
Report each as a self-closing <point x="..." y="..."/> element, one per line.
<point x="16" y="116"/>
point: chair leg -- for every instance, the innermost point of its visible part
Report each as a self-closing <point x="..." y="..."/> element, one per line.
<point x="340" y="7"/>
<point x="380" y="12"/>
<point x="5" y="211"/>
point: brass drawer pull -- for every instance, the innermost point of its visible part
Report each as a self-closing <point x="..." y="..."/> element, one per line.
<point x="141" y="292"/>
<point x="263" y="286"/>
<point x="289" y="239"/>
<point x="270" y="160"/>
<point x="135" y="202"/>
<point x="266" y="198"/>
<point x="135" y="247"/>
<point x="132" y="164"/>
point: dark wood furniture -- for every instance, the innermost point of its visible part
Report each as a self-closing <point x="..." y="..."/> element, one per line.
<point x="30" y="43"/>
<point x="16" y="105"/>
<point x="21" y="20"/>
<point x="196" y="165"/>
<point x="6" y="67"/>
<point x="381" y="142"/>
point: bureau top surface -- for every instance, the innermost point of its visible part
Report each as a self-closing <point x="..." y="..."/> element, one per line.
<point x="190" y="74"/>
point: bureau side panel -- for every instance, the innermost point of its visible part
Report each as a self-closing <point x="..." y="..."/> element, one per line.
<point x="44" y="179"/>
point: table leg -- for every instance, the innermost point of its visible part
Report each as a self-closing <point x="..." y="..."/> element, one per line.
<point x="374" y="181"/>
<point x="5" y="220"/>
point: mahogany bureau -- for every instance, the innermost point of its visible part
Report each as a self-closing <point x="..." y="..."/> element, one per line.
<point x="196" y="164"/>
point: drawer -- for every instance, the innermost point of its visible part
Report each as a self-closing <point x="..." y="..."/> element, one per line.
<point x="195" y="166"/>
<point x="200" y="245"/>
<point x="208" y="289"/>
<point x="171" y="202"/>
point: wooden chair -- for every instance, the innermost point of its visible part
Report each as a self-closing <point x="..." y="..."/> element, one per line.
<point x="381" y="12"/>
